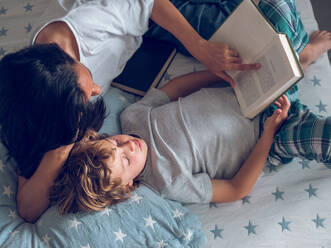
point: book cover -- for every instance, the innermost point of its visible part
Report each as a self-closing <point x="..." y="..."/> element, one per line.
<point x="146" y="67"/>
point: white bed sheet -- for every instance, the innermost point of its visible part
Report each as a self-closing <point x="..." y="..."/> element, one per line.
<point x="290" y="206"/>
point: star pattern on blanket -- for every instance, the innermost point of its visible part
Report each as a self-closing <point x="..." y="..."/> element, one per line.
<point x="217" y="232"/>
<point x="304" y="163"/>
<point x="74" y="223"/>
<point x="212" y="205"/>
<point x="250" y="228"/>
<point x="2" y="51"/>
<point x="321" y="107"/>
<point x="120" y="235"/>
<point x="3" y="32"/>
<point x="12" y="214"/>
<point x="278" y="194"/>
<point x="311" y="191"/>
<point x="315" y="81"/>
<point x="136" y="198"/>
<point x="3" y="10"/>
<point x="246" y="199"/>
<point x="150" y="222"/>
<point x="284" y="224"/>
<point x="28" y="7"/>
<point x="319" y="221"/>
<point x="46" y="239"/>
<point x="7" y="191"/>
<point x="177" y="214"/>
<point x="161" y="244"/>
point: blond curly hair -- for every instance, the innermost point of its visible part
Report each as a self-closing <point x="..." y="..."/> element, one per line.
<point x="84" y="182"/>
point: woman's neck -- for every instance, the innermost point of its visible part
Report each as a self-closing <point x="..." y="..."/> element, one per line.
<point x="59" y="33"/>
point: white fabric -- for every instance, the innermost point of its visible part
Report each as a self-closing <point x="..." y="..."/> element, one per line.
<point x="107" y="32"/>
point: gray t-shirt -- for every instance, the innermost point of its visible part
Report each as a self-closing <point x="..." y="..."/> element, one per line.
<point x="190" y="141"/>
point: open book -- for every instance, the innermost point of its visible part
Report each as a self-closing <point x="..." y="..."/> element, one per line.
<point x="146" y="67"/>
<point x="247" y="31"/>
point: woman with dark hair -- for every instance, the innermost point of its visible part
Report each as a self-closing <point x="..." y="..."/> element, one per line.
<point x="45" y="88"/>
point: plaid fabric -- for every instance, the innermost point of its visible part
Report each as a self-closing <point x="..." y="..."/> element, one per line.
<point x="304" y="135"/>
<point x="283" y="15"/>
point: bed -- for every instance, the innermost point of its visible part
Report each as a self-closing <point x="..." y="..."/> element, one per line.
<point x="290" y="206"/>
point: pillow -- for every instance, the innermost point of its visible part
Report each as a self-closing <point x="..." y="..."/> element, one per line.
<point x="145" y="220"/>
<point x="116" y="101"/>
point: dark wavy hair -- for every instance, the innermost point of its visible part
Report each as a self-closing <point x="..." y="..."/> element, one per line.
<point x="41" y="104"/>
<point x="85" y="183"/>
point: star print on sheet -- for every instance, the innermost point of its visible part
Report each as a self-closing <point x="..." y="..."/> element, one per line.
<point x="150" y="222"/>
<point x="278" y="194"/>
<point x="12" y="214"/>
<point x="321" y="107"/>
<point x="319" y="221"/>
<point x="311" y="191"/>
<point x="46" y="239"/>
<point x="217" y="232"/>
<point x="74" y="223"/>
<point x="106" y="211"/>
<point x="28" y="7"/>
<point x="120" y="235"/>
<point x="246" y="199"/>
<point x="177" y="214"/>
<point x="161" y="244"/>
<point x="13" y="233"/>
<point x="250" y="228"/>
<point x="284" y="224"/>
<point x="304" y="163"/>
<point x="212" y="205"/>
<point x="3" y="32"/>
<point x="3" y="11"/>
<point x="28" y="28"/>
<point x="188" y="235"/>
<point x="315" y="81"/>
<point x="136" y="198"/>
<point x="2" y="52"/>
<point x="7" y="191"/>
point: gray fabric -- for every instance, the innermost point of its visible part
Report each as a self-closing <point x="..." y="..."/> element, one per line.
<point x="190" y="141"/>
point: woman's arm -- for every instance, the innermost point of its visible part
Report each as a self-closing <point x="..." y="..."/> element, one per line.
<point x="188" y="83"/>
<point x="242" y="183"/>
<point x="32" y="194"/>
<point x="217" y="57"/>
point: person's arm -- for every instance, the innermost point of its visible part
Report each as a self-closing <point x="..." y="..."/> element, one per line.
<point x="188" y="83"/>
<point x="242" y="183"/>
<point x="217" y="57"/>
<point x="33" y="193"/>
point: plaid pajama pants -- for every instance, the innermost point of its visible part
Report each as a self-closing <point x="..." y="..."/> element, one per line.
<point x="304" y="134"/>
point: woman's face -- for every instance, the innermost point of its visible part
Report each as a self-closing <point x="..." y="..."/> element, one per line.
<point x="85" y="80"/>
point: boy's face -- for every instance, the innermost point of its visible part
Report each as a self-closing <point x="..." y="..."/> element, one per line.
<point x="130" y="154"/>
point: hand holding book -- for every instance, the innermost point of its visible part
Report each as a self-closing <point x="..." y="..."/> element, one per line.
<point x="219" y="57"/>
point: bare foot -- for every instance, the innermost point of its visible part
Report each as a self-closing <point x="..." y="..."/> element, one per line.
<point x="319" y="42"/>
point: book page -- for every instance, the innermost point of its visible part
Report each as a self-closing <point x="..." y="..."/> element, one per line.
<point x="247" y="31"/>
<point x="254" y="87"/>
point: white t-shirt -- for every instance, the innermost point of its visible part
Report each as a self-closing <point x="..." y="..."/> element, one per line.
<point x="107" y="32"/>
